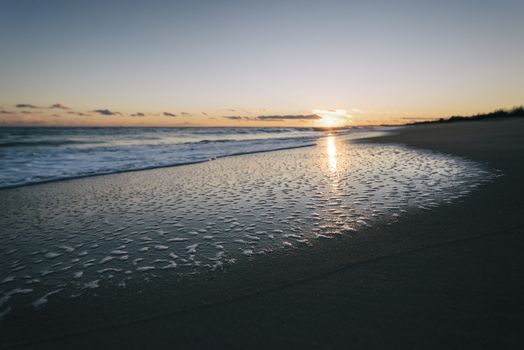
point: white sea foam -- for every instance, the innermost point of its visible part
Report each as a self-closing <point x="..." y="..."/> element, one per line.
<point x="192" y="248"/>
<point x="8" y="279"/>
<point x="145" y="268"/>
<point x="105" y="259"/>
<point x="91" y="285"/>
<point x="40" y="302"/>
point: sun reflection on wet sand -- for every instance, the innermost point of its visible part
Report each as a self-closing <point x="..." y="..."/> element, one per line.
<point x="331" y="153"/>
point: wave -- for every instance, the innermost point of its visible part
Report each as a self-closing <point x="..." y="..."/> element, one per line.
<point x="41" y="157"/>
<point x="48" y="143"/>
<point x="25" y="167"/>
<point x="41" y="180"/>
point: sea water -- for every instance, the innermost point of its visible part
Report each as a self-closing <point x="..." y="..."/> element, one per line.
<point x="33" y="155"/>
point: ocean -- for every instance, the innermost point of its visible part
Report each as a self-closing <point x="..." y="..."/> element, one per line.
<point x="34" y="155"/>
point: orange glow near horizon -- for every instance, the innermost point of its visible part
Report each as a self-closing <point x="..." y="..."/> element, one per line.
<point x="48" y="115"/>
<point x="330" y="121"/>
<point x="332" y="117"/>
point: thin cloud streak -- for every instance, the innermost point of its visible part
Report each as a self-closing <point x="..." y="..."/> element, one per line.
<point x="106" y="112"/>
<point x="297" y="117"/>
<point x="289" y="117"/>
<point x="27" y="105"/>
<point x="58" y="106"/>
<point x="79" y="114"/>
<point x="235" y="117"/>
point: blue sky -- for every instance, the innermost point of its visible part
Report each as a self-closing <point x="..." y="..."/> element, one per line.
<point x="377" y="61"/>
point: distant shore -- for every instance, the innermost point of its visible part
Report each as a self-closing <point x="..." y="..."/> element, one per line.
<point x="446" y="277"/>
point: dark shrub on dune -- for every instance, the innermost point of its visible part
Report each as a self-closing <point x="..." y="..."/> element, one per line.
<point x="516" y="112"/>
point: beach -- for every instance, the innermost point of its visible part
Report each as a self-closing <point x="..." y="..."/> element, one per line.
<point x="407" y="268"/>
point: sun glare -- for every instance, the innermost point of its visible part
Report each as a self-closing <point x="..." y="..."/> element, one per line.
<point x="332" y="117"/>
<point x="331" y="153"/>
<point x="331" y="121"/>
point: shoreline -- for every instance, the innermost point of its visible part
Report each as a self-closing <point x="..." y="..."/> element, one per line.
<point x="151" y="167"/>
<point x="354" y="262"/>
<point x="270" y="145"/>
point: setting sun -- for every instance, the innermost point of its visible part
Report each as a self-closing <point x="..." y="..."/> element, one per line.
<point x="332" y="117"/>
<point x="331" y="121"/>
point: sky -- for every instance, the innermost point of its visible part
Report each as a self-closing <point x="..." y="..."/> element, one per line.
<point x="253" y="63"/>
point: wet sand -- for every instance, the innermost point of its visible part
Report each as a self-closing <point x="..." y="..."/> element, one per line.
<point x="445" y="277"/>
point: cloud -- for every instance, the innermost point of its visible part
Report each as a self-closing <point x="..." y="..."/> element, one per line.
<point x="289" y="117"/>
<point x="167" y="114"/>
<point x="331" y="112"/>
<point x="79" y="113"/>
<point x="58" y="106"/>
<point x="27" y="105"/>
<point x="276" y="117"/>
<point x="138" y="114"/>
<point x="105" y="112"/>
<point x="3" y="111"/>
<point x="185" y="114"/>
<point x="236" y="117"/>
